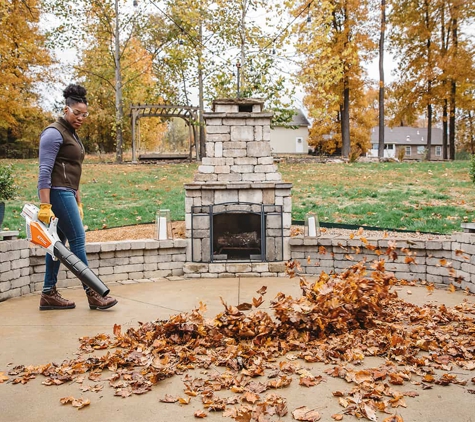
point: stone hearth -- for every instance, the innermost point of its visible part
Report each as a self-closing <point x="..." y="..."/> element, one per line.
<point x="238" y="183"/>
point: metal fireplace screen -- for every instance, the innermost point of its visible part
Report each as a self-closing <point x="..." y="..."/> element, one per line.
<point x="238" y="232"/>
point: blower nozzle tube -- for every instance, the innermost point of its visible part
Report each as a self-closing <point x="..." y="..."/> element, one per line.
<point x="80" y="270"/>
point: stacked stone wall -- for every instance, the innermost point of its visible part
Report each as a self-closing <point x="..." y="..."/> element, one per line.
<point x="450" y="261"/>
<point x="14" y="268"/>
<point x="22" y="266"/>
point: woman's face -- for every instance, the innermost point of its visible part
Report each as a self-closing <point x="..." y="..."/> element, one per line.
<point x="76" y="114"/>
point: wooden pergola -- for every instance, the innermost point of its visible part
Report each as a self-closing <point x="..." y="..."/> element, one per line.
<point x="189" y="114"/>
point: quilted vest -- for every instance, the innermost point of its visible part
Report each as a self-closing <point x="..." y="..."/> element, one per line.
<point x="68" y="165"/>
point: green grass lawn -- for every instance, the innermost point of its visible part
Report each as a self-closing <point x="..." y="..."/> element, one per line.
<point x="428" y="197"/>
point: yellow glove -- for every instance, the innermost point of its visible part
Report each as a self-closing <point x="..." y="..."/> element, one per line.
<point x="45" y="214"/>
<point x="81" y="211"/>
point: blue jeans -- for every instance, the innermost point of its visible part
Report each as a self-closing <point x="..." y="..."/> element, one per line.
<point x="70" y="228"/>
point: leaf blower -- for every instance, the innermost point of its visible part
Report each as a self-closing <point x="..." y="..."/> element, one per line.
<point x="47" y="237"/>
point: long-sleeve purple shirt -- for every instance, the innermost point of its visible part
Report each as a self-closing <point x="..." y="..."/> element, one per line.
<point x="50" y="142"/>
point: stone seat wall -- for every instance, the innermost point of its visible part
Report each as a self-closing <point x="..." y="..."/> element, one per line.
<point x="449" y="262"/>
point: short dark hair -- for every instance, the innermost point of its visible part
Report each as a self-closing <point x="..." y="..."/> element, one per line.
<point x="74" y="94"/>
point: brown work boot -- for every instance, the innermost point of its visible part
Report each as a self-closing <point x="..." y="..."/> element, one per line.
<point x="96" y="301"/>
<point x="53" y="300"/>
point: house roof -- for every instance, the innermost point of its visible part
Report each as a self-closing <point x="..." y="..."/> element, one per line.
<point x="299" y="119"/>
<point x="405" y="135"/>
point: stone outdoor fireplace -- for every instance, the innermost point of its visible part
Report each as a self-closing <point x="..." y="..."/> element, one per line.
<point x="238" y="210"/>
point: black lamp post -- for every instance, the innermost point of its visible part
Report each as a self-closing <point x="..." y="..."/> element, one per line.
<point x="238" y="66"/>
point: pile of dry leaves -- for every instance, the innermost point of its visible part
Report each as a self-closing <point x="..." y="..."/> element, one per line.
<point x="339" y="319"/>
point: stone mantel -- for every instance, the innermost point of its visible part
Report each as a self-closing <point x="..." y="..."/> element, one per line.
<point x="229" y="186"/>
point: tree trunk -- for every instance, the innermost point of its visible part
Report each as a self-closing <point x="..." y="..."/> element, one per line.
<point x="381" y="80"/>
<point x="471" y="132"/>
<point x="345" y="121"/>
<point x="429" y="132"/>
<point x="429" y="84"/>
<point x="444" y="47"/>
<point x="119" y="112"/>
<point x="453" y="92"/>
<point x="445" y="129"/>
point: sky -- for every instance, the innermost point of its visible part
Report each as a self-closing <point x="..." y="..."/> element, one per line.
<point x="51" y="96"/>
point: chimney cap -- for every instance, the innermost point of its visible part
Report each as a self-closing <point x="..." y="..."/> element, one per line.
<point x="238" y="101"/>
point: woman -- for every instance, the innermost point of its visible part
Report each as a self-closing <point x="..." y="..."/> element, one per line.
<point x="61" y="156"/>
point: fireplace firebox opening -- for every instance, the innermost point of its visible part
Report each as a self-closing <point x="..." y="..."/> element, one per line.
<point x="237" y="236"/>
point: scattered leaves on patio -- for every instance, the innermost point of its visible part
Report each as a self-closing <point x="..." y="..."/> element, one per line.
<point x="339" y="319"/>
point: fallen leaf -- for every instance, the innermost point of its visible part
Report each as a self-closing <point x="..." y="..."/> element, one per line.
<point x="262" y="290"/>
<point x="66" y="400"/>
<point x="169" y="399"/>
<point x="250" y="397"/>
<point x="78" y="403"/>
<point x="244" y="306"/>
<point x="200" y="414"/>
<point x="303" y="413"/>
<point x="370" y="412"/>
<point x="394" y="418"/>
<point x="257" y="302"/>
<point x="117" y="330"/>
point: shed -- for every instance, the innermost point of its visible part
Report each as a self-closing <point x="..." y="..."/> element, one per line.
<point x="293" y="139"/>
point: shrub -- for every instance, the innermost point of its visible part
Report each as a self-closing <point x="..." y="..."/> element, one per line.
<point x="8" y="188"/>
<point x="472" y="168"/>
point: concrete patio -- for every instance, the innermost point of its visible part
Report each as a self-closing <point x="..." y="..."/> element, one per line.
<point x="31" y="337"/>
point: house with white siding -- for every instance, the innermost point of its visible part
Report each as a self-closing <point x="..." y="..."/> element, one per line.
<point x="293" y="139"/>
